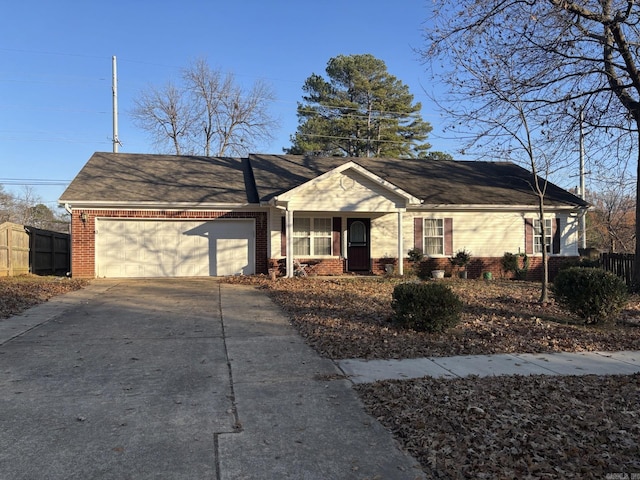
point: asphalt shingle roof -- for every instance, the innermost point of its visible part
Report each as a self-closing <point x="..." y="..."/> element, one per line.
<point x="434" y="182"/>
<point x="123" y="177"/>
<point x="126" y="177"/>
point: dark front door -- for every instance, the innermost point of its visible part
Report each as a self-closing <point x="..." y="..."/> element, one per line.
<point x="358" y="244"/>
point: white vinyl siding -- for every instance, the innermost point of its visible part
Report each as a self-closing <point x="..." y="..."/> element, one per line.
<point x="311" y="236"/>
<point x="345" y="192"/>
<point x="483" y="233"/>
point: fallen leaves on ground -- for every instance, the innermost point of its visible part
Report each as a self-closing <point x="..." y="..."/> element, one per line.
<point x="351" y="318"/>
<point x="19" y="293"/>
<point x="514" y="427"/>
<point x="495" y="427"/>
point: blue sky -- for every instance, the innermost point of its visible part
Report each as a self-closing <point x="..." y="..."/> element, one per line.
<point x="55" y="67"/>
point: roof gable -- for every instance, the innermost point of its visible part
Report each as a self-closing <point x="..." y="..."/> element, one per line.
<point x="341" y="181"/>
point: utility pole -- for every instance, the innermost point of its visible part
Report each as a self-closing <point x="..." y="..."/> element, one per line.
<point x="583" y="193"/>
<point x="114" y="87"/>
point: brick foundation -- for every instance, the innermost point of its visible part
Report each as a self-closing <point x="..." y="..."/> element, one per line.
<point x="478" y="266"/>
<point x="316" y="266"/>
<point x="475" y="269"/>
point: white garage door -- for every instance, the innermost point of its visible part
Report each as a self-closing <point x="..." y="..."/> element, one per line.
<point x="169" y="248"/>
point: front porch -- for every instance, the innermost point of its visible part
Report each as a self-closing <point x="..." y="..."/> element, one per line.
<point x="346" y="220"/>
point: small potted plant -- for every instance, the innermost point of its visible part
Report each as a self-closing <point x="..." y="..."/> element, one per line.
<point x="460" y="260"/>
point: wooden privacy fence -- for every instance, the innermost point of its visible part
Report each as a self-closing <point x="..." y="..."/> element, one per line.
<point x="14" y="250"/>
<point x="619" y="263"/>
<point x="32" y="250"/>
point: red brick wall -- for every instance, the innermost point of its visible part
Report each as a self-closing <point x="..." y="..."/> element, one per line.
<point x="315" y="266"/>
<point x="478" y="266"/>
<point x="83" y="239"/>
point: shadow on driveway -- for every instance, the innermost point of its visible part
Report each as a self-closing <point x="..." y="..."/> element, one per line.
<point x="129" y="381"/>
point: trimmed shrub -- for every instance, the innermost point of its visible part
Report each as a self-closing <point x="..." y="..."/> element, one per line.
<point x="582" y="262"/>
<point x="511" y="263"/>
<point x="591" y="293"/>
<point x="426" y="307"/>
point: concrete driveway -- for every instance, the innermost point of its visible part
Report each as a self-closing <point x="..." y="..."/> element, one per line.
<point x="178" y="379"/>
<point x="130" y="383"/>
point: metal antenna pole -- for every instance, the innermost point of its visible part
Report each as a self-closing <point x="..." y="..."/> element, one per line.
<point x="114" y="86"/>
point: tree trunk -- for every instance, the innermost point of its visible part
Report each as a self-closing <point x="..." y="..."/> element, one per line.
<point x="635" y="282"/>
<point x="544" y="291"/>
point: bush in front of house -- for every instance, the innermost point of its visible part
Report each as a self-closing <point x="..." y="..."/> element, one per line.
<point x="511" y="263"/>
<point x="426" y="307"/>
<point x="581" y="262"/>
<point x="592" y="294"/>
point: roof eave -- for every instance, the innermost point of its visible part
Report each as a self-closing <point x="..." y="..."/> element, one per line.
<point x="479" y="206"/>
<point x="110" y="205"/>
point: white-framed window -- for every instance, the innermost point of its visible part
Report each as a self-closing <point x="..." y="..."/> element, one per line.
<point x="537" y="235"/>
<point x="311" y="236"/>
<point x="433" y="232"/>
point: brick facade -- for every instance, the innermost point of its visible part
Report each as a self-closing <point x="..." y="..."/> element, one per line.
<point x="337" y="266"/>
<point x="478" y="266"/>
<point x="83" y="237"/>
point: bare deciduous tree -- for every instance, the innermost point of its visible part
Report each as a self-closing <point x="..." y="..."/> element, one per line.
<point x="566" y="55"/>
<point x="611" y="224"/>
<point x="502" y="124"/>
<point x="28" y="209"/>
<point x="168" y="115"/>
<point x="209" y="113"/>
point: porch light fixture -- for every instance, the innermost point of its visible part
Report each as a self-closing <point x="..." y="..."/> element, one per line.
<point x="83" y="217"/>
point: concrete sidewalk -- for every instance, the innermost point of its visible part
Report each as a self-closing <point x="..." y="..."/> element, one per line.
<point x="180" y="379"/>
<point x="583" y="363"/>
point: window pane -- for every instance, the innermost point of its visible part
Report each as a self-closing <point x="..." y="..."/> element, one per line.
<point x="537" y="235"/>
<point x="433" y="246"/>
<point x="322" y="226"/>
<point x="301" y="246"/>
<point x="433" y="227"/>
<point x="358" y="232"/>
<point x="301" y="227"/>
<point x="434" y="236"/>
<point x="322" y="246"/>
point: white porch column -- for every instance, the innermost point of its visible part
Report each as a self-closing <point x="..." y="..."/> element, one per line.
<point x="288" y="214"/>
<point x="400" y="243"/>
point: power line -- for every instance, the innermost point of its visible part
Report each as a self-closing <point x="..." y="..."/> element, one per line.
<point x="33" y="181"/>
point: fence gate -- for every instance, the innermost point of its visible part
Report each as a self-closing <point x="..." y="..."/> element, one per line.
<point x="14" y="250"/>
<point x="49" y="252"/>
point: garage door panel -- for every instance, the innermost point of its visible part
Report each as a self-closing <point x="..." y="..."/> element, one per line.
<point x="154" y="248"/>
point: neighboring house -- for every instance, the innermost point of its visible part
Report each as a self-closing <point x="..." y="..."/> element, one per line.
<point x="136" y="215"/>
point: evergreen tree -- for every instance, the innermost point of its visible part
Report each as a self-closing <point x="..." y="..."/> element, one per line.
<point x="360" y="111"/>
